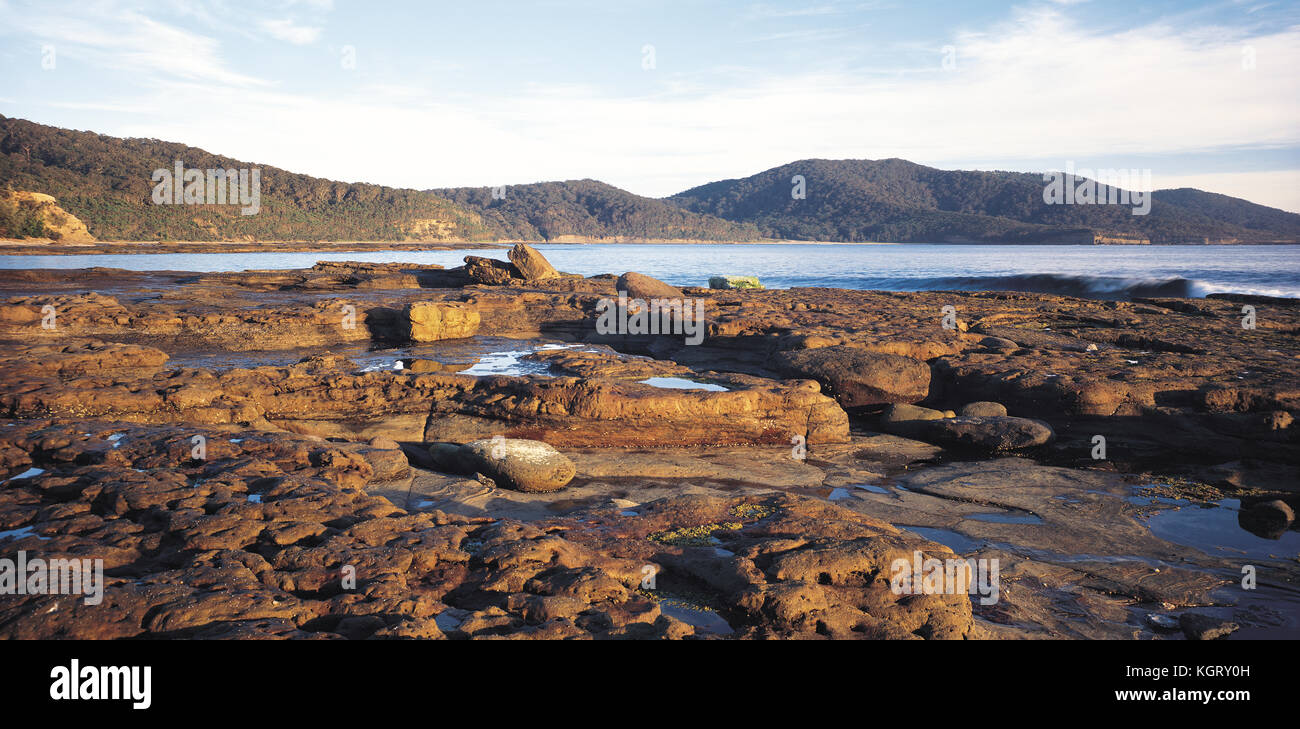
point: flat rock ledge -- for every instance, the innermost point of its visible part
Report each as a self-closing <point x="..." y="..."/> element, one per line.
<point x="273" y="535"/>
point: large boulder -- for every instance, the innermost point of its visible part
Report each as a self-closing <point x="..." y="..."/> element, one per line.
<point x="532" y="264"/>
<point x="900" y="412"/>
<point x="989" y="434"/>
<point x="434" y="320"/>
<point x="984" y="408"/>
<point x="524" y="465"/>
<point x="640" y="286"/>
<point x="857" y="377"/>
<point x="490" y="271"/>
<point x="1268" y="519"/>
<point x="734" y="282"/>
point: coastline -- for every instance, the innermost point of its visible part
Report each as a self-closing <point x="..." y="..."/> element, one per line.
<point x="20" y="247"/>
<point x="973" y="440"/>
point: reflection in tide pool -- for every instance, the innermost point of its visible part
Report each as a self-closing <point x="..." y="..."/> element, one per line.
<point x="959" y="543"/>
<point x="1215" y="529"/>
<point x="705" y="621"/>
<point x="512" y="363"/>
<point x="681" y="383"/>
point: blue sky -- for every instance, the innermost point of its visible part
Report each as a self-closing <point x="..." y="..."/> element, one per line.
<point x="657" y="97"/>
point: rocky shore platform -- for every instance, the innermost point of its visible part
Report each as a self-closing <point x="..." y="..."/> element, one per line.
<point x="89" y="246"/>
<point x="367" y="451"/>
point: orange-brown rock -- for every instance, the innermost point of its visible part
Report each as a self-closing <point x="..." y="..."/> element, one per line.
<point x="431" y="321"/>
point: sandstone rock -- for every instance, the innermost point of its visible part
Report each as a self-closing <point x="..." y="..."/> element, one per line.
<point x="640" y="286"/>
<point x="446" y="457"/>
<point x="532" y="264"/>
<point x="1269" y="519"/>
<point x="432" y="321"/>
<point x="990" y="434"/>
<point x="734" y="282"/>
<point x="421" y="366"/>
<point x="902" y="412"/>
<point x="525" y="465"/>
<point x="822" y="583"/>
<point x="857" y="377"/>
<point x="60" y="225"/>
<point x="984" y="409"/>
<point x="387" y="463"/>
<point x="1204" y="627"/>
<point x="489" y="271"/>
<point x="193" y="557"/>
<point x="574" y="412"/>
<point x="998" y="343"/>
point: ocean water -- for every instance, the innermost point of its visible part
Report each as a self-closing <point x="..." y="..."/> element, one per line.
<point x="1109" y="272"/>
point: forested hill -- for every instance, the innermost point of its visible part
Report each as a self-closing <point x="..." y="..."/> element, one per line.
<point x="897" y="200"/>
<point x="591" y="210"/>
<point x="107" y="183"/>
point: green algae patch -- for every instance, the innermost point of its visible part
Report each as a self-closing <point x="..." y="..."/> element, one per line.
<point x="695" y="536"/>
<point x="735" y="282"/>
<point x="1174" y="487"/>
<point x="752" y="512"/>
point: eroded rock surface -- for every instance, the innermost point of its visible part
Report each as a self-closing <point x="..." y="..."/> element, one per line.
<point x="761" y="506"/>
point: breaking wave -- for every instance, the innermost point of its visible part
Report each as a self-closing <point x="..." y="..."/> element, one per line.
<point x="1090" y="287"/>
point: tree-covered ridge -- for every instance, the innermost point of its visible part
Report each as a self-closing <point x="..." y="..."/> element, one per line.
<point x="107" y="182"/>
<point x="17" y="220"/>
<point x="897" y="200"/>
<point x="589" y="209"/>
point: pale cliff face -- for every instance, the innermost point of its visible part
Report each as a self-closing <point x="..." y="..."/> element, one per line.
<point x="61" y="225"/>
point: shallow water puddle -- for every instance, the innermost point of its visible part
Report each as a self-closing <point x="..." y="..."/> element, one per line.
<point x="1007" y="518"/>
<point x="480" y="355"/>
<point x="705" y="621"/>
<point x="447" y="622"/>
<point x="1213" y="529"/>
<point x="507" y="363"/>
<point x="681" y="383"/>
<point x="485" y="356"/>
<point x="959" y="543"/>
<point x="29" y="473"/>
<point x="21" y="533"/>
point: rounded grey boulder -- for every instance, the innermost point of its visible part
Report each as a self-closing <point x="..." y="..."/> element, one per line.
<point x="990" y="434"/>
<point x="901" y="412"/>
<point x="640" y="286"/>
<point x="1268" y="519"/>
<point x="524" y="465"/>
<point x="984" y="409"/>
<point x="856" y="377"/>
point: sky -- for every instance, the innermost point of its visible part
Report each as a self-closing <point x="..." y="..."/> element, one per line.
<point x="658" y="97"/>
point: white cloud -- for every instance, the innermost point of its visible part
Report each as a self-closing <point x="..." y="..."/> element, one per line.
<point x="126" y="40"/>
<point x="287" y="30"/>
<point x="1035" y="87"/>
